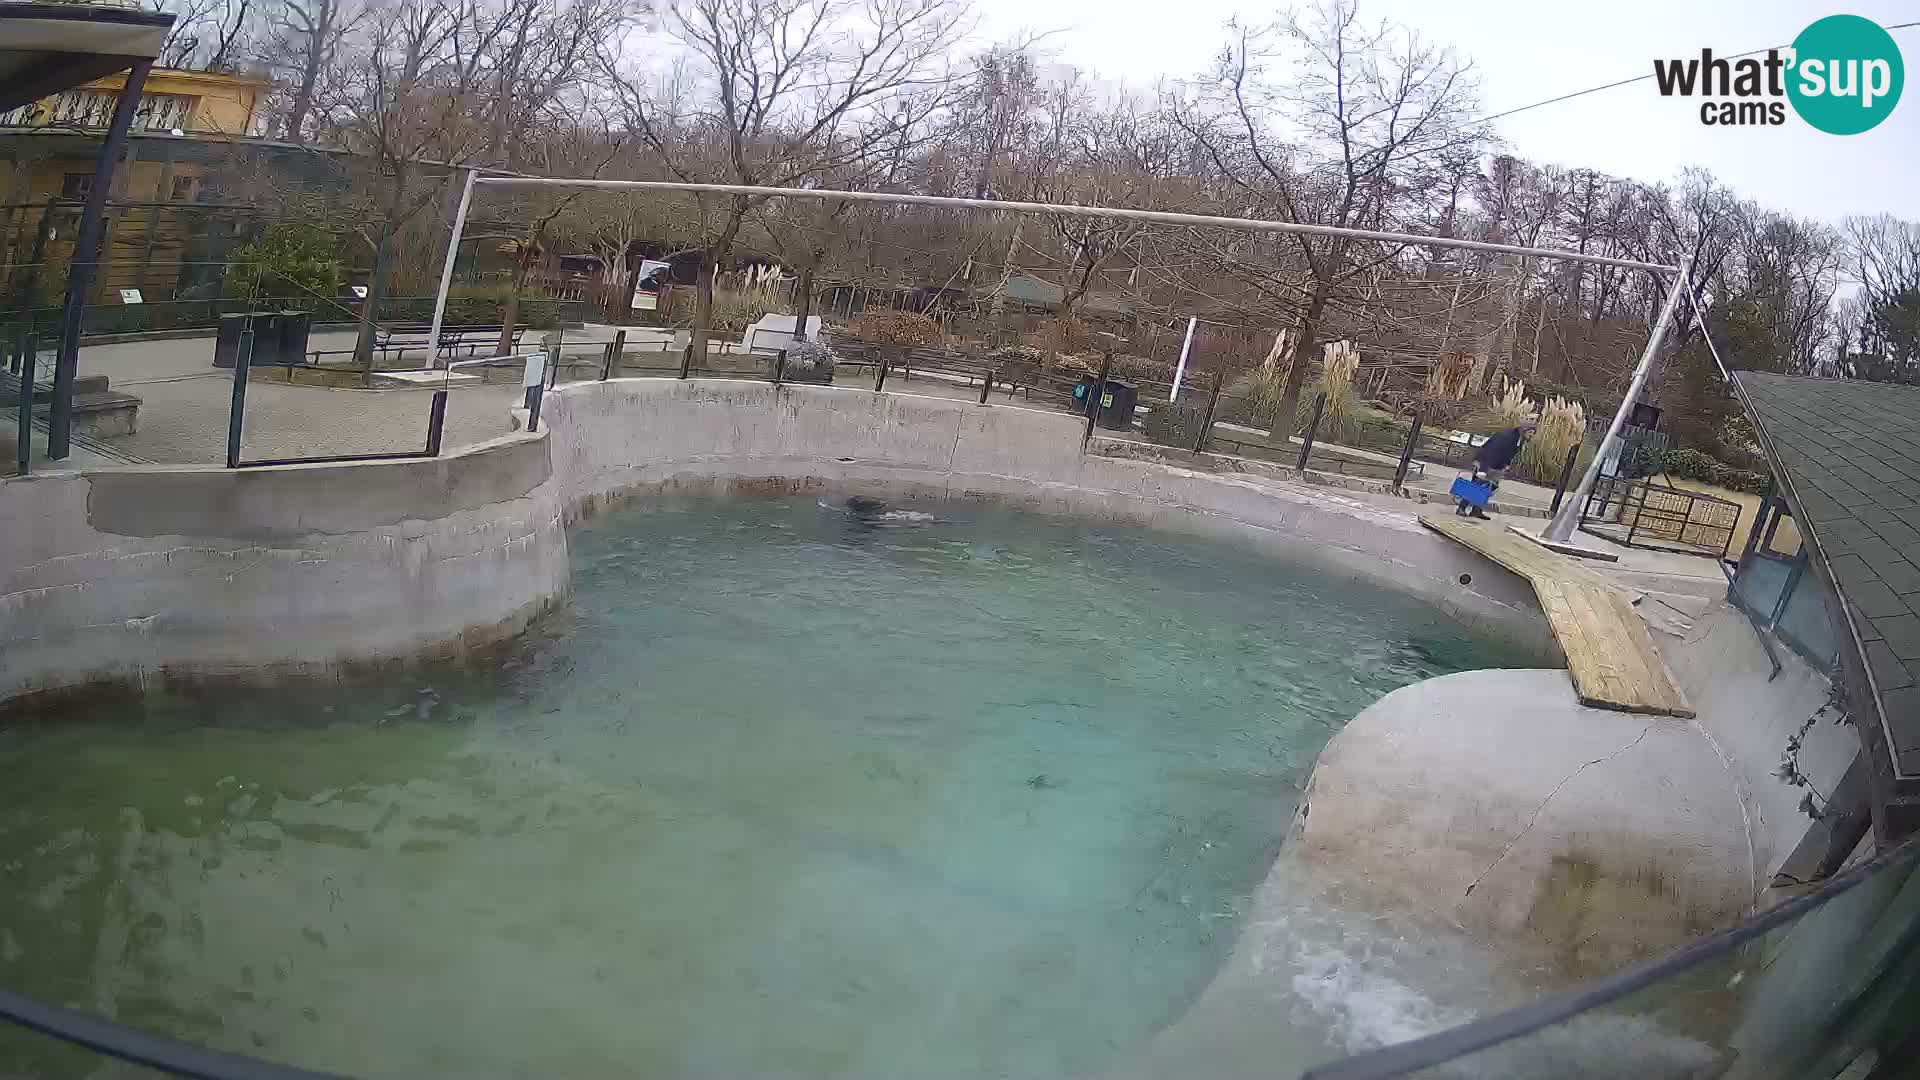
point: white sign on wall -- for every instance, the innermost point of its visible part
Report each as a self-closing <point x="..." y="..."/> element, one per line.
<point x="131" y="296"/>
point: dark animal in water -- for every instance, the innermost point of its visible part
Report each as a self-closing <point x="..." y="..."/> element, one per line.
<point x="862" y="506"/>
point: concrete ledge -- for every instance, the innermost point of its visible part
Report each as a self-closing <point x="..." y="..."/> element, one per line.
<point x="1495" y="801"/>
<point x="138" y="575"/>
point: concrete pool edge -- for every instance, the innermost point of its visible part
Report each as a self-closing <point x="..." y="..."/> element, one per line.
<point x="157" y="574"/>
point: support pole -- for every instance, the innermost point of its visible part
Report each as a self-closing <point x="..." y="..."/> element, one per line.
<point x="1560" y="529"/>
<point x="86" y="258"/>
<point x="446" y="269"/>
<point x="1180" y="369"/>
<point x="237" y="407"/>
<point x="1095" y="397"/>
<point x="615" y="349"/>
<point x="1406" y="454"/>
<point x="1313" y="428"/>
<point x="1566" y="475"/>
<point x="436" y="422"/>
<point x="24" y="416"/>
<point x="1206" y="421"/>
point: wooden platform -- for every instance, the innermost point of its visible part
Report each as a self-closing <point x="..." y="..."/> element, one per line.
<point x="1610" y="653"/>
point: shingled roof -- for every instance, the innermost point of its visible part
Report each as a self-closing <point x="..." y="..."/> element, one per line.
<point x="1848" y="455"/>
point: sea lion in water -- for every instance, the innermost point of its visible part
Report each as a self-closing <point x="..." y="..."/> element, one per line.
<point x="871" y="511"/>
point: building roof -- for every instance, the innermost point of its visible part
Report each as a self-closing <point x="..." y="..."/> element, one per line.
<point x="46" y="48"/>
<point x="1850" y="452"/>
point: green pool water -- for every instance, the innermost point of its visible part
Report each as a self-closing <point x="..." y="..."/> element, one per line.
<point x="786" y="791"/>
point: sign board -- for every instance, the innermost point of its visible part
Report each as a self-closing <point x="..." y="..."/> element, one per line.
<point x="131" y="296"/>
<point x="360" y="292"/>
<point x="655" y="275"/>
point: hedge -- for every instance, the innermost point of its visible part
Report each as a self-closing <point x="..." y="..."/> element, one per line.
<point x="1690" y="464"/>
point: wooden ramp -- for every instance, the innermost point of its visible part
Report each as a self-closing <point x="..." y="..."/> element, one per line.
<point x="1610" y="654"/>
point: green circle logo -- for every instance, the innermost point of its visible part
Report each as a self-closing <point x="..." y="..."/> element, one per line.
<point x="1846" y="75"/>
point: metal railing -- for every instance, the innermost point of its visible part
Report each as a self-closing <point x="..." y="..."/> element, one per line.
<point x="1640" y="513"/>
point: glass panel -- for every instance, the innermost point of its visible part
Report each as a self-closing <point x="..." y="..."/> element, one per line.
<point x="1837" y="987"/>
<point x="1807" y="622"/>
<point x="1758" y="585"/>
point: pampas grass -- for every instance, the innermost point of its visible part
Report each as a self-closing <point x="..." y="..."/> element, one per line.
<point x="1563" y="425"/>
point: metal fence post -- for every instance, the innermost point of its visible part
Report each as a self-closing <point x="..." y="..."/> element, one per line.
<point x="986" y="384"/>
<point x="1206" y="418"/>
<point x="1313" y="427"/>
<point x="436" y="422"/>
<point x="534" y="379"/>
<point x="1566" y="477"/>
<point x="1096" y="396"/>
<point x="1406" y="454"/>
<point x="237" y="408"/>
<point x="24" y="416"/>
<point x="615" y="349"/>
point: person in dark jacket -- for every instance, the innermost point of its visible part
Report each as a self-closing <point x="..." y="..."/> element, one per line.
<point x="1491" y="459"/>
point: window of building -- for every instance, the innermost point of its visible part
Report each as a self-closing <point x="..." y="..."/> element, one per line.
<point x="76" y="185"/>
<point x="183" y="188"/>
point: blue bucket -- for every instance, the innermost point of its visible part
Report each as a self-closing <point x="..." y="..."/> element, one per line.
<point x="1474" y="494"/>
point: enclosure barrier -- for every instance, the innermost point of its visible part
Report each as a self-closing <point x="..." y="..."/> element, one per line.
<point x="1865" y="1011"/>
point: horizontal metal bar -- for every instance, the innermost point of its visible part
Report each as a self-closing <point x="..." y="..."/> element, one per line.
<point x="1163" y="217"/>
<point x="334" y="459"/>
<point x="116" y="1040"/>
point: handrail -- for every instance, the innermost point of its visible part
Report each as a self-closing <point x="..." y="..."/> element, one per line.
<point x="117" y="1040"/>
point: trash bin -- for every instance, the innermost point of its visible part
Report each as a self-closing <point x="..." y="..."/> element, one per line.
<point x="294" y="328"/>
<point x="279" y="338"/>
<point x="1117" y="404"/>
<point x="1083" y="394"/>
<point x="226" y="343"/>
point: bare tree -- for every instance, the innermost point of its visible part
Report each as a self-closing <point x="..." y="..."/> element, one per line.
<point x="404" y="104"/>
<point x="781" y="90"/>
<point x="207" y="35"/>
<point x="1367" y="102"/>
<point x="303" y="39"/>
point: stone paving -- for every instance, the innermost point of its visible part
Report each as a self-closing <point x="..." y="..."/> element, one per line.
<point x="185" y="400"/>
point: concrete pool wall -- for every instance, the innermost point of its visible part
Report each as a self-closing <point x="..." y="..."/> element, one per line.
<point x="163" y="573"/>
<point x="189" y="572"/>
<point x="636" y="437"/>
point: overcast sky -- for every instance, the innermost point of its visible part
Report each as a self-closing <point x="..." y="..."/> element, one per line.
<point x="1528" y="50"/>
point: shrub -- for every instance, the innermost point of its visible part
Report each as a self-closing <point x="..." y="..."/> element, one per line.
<point x="1068" y="335"/>
<point x="1267" y="384"/>
<point x="291" y="262"/>
<point x="1340" y="417"/>
<point x="1562" y="426"/>
<point x="809" y="361"/>
<point x="1174" y="423"/>
<point x="1690" y="464"/>
<point x="1450" y="376"/>
<point x="736" y="309"/>
<point x="894" y="328"/>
